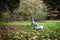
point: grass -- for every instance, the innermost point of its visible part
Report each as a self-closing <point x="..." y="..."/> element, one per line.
<point x="15" y="23"/>
<point x="28" y="23"/>
<point x="51" y="30"/>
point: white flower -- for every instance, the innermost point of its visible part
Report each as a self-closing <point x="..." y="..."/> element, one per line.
<point x="34" y="37"/>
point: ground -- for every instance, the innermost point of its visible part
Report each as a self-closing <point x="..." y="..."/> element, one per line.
<point x="26" y="31"/>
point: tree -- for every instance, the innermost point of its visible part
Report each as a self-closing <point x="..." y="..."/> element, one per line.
<point x="8" y="5"/>
<point x="22" y="10"/>
<point x="53" y="7"/>
<point x="33" y="7"/>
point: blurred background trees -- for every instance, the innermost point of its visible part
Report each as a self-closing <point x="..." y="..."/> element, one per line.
<point x="21" y="10"/>
<point x="53" y="7"/>
<point x="7" y="7"/>
<point x="18" y="10"/>
<point x="33" y="7"/>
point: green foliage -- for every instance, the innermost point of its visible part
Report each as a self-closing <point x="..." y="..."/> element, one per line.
<point x="40" y="16"/>
<point x="6" y="9"/>
<point x="6" y="5"/>
<point x="19" y="10"/>
<point x="51" y="30"/>
<point x="34" y="7"/>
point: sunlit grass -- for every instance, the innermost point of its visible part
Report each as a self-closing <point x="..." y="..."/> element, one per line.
<point x="29" y="23"/>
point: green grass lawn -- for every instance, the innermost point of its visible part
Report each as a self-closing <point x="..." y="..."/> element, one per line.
<point x="51" y="30"/>
<point x="29" y="23"/>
